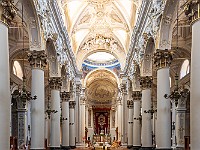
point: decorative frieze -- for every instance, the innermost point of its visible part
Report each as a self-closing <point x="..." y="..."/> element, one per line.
<point x="192" y="10"/>
<point x="136" y="95"/>
<point x="130" y="104"/>
<point x="7" y="11"/>
<point x="72" y="104"/>
<point x="146" y="82"/>
<point x="37" y="59"/>
<point x="55" y="83"/>
<point x="162" y="58"/>
<point x="65" y="96"/>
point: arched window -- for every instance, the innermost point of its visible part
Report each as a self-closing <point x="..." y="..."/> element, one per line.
<point x="185" y="68"/>
<point x="170" y="81"/>
<point x="17" y="69"/>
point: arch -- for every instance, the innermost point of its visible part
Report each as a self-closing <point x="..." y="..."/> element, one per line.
<point x="146" y="66"/>
<point x="82" y="56"/>
<point x="185" y="68"/>
<point x="95" y="70"/>
<point x="54" y="67"/>
<point x="166" y="27"/>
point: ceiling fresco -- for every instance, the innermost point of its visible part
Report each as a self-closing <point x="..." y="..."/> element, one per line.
<point x="95" y="25"/>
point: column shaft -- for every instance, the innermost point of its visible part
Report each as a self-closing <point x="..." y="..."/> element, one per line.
<point x="37" y="110"/>
<point x="146" y="119"/>
<point x="55" y="118"/>
<point x="65" y="124"/>
<point x="136" y="125"/>
<point x="4" y="89"/>
<point x="72" y="131"/>
<point x="163" y="135"/>
<point x="195" y="86"/>
<point x="130" y="123"/>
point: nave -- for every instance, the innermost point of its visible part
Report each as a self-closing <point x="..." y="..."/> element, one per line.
<point x="99" y="74"/>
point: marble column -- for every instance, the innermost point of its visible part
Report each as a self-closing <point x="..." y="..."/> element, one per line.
<point x="55" y="85"/>
<point x="193" y="11"/>
<point x="146" y="83"/>
<point x="6" y="17"/>
<point x="137" y="120"/>
<point x="37" y="61"/>
<point x="65" y="96"/>
<point x="162" y="60"/>
<point x="72" y="129"/>
<point x="119" y="110"/>
<point x="130" y="124"/>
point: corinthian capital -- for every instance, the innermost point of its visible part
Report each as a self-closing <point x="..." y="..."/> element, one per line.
<point x="162" y="58"/>
<point x="146" y="82"/>
<point x="7" y="11"/>
<point x="136" y="95"/>
<point x="37" y="59"/>
<point x="72" y="104"/>
<point x="55" y="83"/>
<point x="65" y="96"/>
<point x="130" y="104"/>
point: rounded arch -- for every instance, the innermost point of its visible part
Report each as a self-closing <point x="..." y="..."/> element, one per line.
<point x="146" y="66"/>
<point x="54" y="67"/>
<point x="98" y="69"/>
<point x="185" y="68"/>
<point x="166" y="26"/>
<point x="83" y="55"/>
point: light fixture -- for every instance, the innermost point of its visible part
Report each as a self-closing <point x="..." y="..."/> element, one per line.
<point x="23" y="95"/>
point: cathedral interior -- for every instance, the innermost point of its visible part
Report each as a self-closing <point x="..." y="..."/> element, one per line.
<point x="99" y="74"/>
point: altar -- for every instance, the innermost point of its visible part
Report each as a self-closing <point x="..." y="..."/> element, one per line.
<point x="101" y="138"/>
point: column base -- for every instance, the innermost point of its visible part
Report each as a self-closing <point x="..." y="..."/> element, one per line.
<point x="54" y="148"/>
<point x="136" y="147"/>
<point x="129" y="146"/>
<point x="65" y="147"/>
<point x="146" y="148"/>
<point x="72" y="147"/>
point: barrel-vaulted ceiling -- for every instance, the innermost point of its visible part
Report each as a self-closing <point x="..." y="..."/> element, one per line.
<point x="99" y="25"/>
